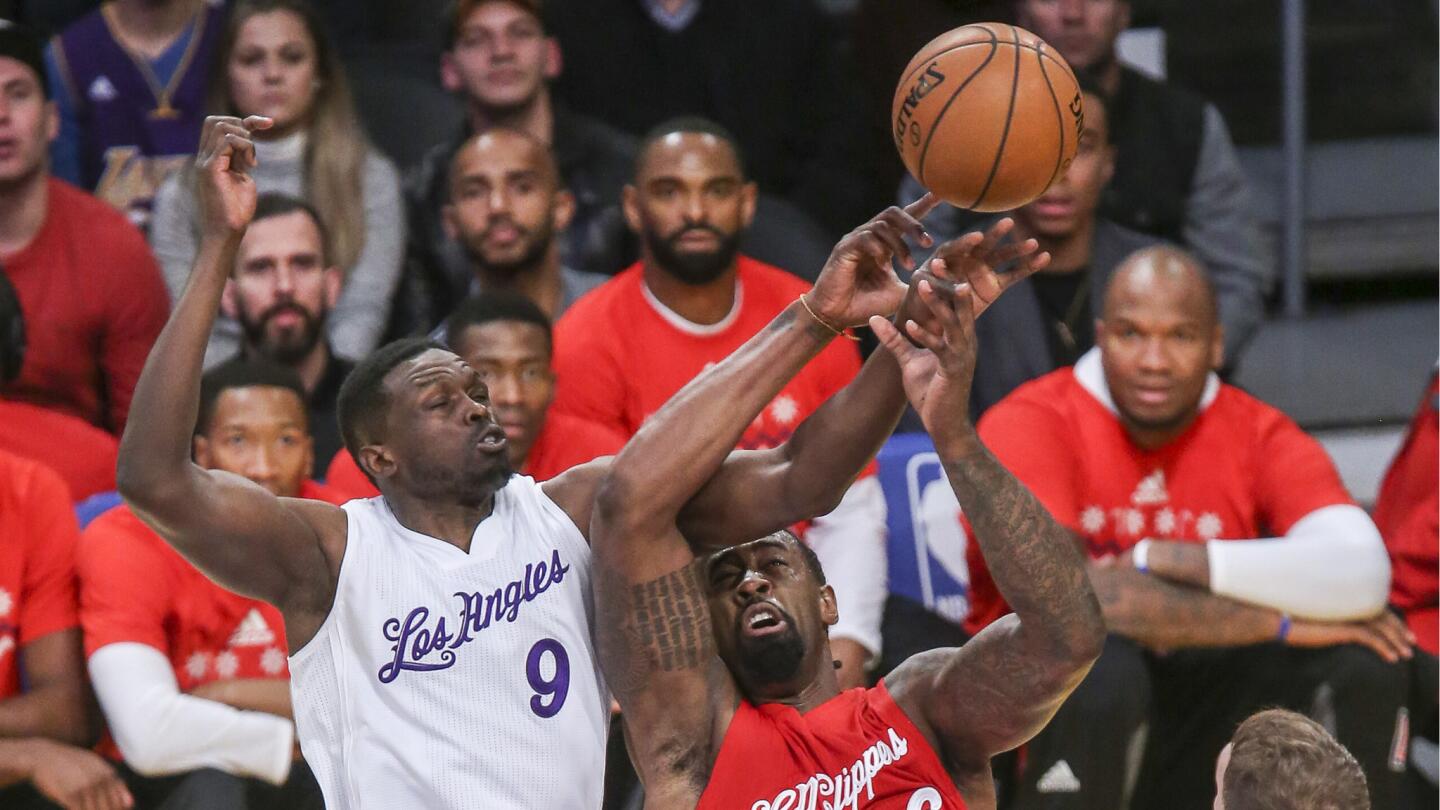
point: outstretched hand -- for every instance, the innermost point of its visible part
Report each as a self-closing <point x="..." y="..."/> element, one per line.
<point x="226" y="155"/>
<point x="937" y="363"/>
<point x="858" y="280"/>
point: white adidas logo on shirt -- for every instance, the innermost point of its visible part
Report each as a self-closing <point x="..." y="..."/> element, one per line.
<point x="252" y="632"/>
<point x="102" y="90"/>
<point x="1150" y="490"/>
<point x="1059" y="779"/>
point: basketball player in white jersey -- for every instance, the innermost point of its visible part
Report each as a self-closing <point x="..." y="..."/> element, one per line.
<point x="440" y="635"/>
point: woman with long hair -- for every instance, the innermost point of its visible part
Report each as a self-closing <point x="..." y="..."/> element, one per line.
<point x="274" y="60"/>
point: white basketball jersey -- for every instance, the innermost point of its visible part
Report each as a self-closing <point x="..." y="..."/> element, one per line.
<point x="443" y="679"/>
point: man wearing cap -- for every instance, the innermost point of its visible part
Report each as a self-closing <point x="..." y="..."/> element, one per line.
<point x="89" y="290"/>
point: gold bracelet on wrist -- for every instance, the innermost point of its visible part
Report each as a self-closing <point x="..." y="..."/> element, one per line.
<point x="823" y="322"/>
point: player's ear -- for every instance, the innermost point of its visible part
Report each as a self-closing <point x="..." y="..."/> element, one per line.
<point x="829" y="608"/>
<point x="449" y="221"/>
<point x="563" y="207"/>
<point x="227" y="300"/>
<point x="450" y="73"/>
<point x="200" y="449"/>
<point x="1217" y="348"/>
<point x="377" y="461"/>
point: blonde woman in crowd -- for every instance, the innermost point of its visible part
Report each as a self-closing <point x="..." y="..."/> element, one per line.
<point x="275" y="61"/>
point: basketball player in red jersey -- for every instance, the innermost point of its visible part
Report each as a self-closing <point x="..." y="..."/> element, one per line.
<point x="721" y="663"/>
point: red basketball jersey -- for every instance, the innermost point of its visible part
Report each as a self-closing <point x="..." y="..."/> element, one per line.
<point x="1242" y="470"/>
<point x="857" y="750"/>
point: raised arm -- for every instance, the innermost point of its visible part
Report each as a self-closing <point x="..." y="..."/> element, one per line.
<point x="236" y="532"/>
<point x="1001" y="688"/>
<point x="808" y="474"/>
<point x="654" y="638"/>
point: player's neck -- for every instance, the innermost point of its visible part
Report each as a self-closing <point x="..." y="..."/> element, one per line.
<point x="703" y="304"/>
<point x="820" y="688"/>
<point x="535" y="119"/>
<point x="1068" y="253"/>
<point x="452" y="522"/>
<point x="23" y="207"/>
<point x="541" y="283"/>
<point x="148" y="27"/>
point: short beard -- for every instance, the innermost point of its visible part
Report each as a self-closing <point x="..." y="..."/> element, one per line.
<point x="537" y="244"/>
<point x="694" y="269"/>
<point x="775" y="660"/>
<point x="285" y="353"/>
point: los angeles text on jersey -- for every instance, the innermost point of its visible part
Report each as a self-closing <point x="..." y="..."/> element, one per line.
<point x="416" y="639"/>
<point x="852" y="787"/>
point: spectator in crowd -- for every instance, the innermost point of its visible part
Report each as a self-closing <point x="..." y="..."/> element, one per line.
<point x="90" y="292"/>
<point x="507" y="210"/>
<point x="1048" y="320"/>
<point x="499" y="59"/>
<point x="44" y="724"/>
<point x="193" y="678"/>
<point x="1172" y="481"/>
<point x="507" y="338"/>
<point x="281" y="293"/>
<point x="769" y="72"/>
<point x="81" y="453"/>
<point x="1282" y="760"/>
<point x="692" y="300"/>
<point x="275" y="61"/>
<point x="1176" y="174"/>
<point x="129" y="82"/>
<point x="1407" y="513"/>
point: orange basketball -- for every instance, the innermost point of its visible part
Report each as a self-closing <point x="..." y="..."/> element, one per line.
<point x="987" y="116"/>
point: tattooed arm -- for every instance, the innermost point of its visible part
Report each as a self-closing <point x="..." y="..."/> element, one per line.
<point x="1164" y="615"/>
<point x="1001" y="688"/>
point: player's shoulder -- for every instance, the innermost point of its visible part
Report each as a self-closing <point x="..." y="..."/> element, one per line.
<point x="623" y="288"/>
<point x="120" y="537"/>
<point x="1056" y="396"/>
<point x="1246" y="414"/>
<point x="579" y="430"/>
<point x="24" y="480"/>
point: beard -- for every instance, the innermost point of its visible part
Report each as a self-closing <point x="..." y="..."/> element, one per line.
<point x="535" y="242"/>
<point x="695" y="269"/>
<point x="289" y="349"/>
<point x="773" y="659"/>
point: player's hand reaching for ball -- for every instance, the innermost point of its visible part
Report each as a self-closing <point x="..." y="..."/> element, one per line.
<point x="858" y="280"/>
<point x="227" y="153"/>
<point x="937" y="363"/>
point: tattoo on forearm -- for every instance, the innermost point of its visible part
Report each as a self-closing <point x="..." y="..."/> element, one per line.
<point x="1163" y="614"/>
<point x="668" y="615"/>
<point x="1032" y="559"/>
<point x="658" y="626"/>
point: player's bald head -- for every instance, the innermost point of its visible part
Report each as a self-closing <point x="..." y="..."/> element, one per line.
<point x="1162" y="274"/>
<point x="505" y="151"/>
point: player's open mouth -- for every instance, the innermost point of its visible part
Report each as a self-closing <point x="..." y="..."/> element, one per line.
<point x="492" y="440"/>
<point x="761" y="619"/>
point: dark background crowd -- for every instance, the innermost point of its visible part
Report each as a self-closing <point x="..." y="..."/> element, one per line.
<point x="592" y="200"/>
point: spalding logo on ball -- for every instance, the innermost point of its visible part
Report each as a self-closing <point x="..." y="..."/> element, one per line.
<point x="987" y="116"/>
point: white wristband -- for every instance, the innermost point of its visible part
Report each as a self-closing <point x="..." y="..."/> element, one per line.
<point x="1140" y="555"/>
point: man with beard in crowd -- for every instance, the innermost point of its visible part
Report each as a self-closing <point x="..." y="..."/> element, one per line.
<point x="507" y="207"/>
<point x="281" y="291"/>
<point x="688" y="303"/>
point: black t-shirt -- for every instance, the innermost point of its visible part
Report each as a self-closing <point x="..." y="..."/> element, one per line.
<point x="1065" y="304"/>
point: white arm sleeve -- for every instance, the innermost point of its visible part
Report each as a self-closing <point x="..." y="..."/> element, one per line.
<point x="161" y="730"/>
<point x="1330" y="566"/>
<point x="850" y="542"/>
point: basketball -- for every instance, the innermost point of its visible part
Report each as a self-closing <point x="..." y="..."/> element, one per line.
<point x="987" y="116"/>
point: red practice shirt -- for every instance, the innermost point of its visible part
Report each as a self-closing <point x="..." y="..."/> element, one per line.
<point x="1242" y="470"/>
<point x="84" y="455"/>
<point x="93" y="303"/>
<point x="565" y="441"/>
<point x="857" y="750"/>
<point x="38" y="535"/>
<point x="135" y="587"/>
<point x="1408" y="516"/>
<point x="619" y="355"/>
